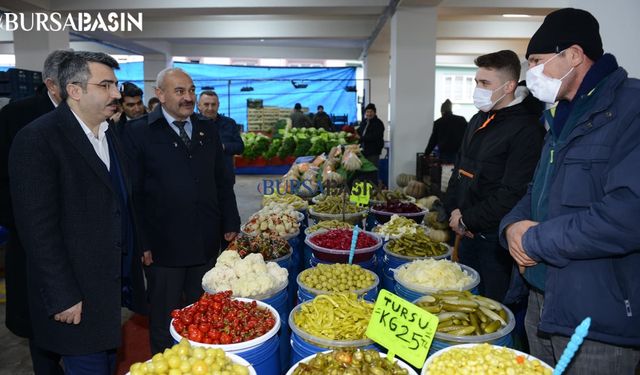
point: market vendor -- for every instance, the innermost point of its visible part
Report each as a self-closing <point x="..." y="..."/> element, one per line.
<point x="371" y="133"/>
<point x="232" y="144"/>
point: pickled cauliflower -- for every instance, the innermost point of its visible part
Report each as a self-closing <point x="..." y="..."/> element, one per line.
<point x="433" y="274"/>
<point x="249" y="277"/>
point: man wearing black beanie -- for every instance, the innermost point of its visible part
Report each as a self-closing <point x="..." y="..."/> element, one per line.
<point x="574" y="234"/>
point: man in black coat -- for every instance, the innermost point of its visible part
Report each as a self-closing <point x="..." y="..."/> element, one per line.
<point x="13" y="117"/>
<point x="321" y="120"/>
<point x="71" y="196"/>
<point x="185" y="197"/>
<point x="499" y="153"/>
<point x="371" y="133"/>
<point x="132" y="107"/>
<point x="447" y="134"/>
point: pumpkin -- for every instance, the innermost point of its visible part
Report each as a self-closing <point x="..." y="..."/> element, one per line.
<point x="416" y="189"/>
<point x="439" y="235"/>
<point x="403" y="179"/>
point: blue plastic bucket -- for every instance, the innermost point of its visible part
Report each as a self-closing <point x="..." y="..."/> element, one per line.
<point x="261" y="352"/>
<point x="280" y="302"/>
<point x="368" y="264"/>
<point x="301" y="349"/>
<point x="264" y="358"/>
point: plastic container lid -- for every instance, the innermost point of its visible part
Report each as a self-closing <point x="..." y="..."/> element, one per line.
<point x="403" y="365"/>
<point x="321" y="341"/>
<point x="241" y="346"/>
<point x="344" y="252"/>
<point x="475" y="280"/>
<point x="425" y="368"/>
<point x="359" y="292"/>
<point x="503" y="331"/>
<point x="235" y="359"/>
<point x="410" y="258"/>
<point x="266" y="295"/>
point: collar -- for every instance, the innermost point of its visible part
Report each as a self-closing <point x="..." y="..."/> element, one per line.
<point x="101" y="130"/>
<point x="52" y="101"/>
<point x="170" y="119"/>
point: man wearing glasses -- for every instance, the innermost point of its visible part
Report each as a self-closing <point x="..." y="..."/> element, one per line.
<point x="71" y="199"/>
<point x="184" y="196"/>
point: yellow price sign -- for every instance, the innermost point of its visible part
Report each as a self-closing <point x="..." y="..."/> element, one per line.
<point x="402" y="327"/>
<point x="361" y="193"/>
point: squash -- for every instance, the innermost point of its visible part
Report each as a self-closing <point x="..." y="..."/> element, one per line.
<point x="403" y="179"/>
<point x="416" y="189"/>
<point x="439" y="235"/>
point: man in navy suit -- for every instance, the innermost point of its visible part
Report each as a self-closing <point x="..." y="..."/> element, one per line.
<point x="184" y="197"/>
<point x="71" y="199"/>
<point x="13" y="117"/>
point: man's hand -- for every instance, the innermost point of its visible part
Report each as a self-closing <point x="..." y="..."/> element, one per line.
<point x="454" y="224"/>
<point x="229" y="236"/>
<point x="116" y="117"/>
<point x="147" y="258"/>
<point x="71" y="315"/>
<point x="514" y="233"/>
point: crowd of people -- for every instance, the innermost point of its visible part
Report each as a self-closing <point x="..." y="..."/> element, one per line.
<point x="102" y="193"/>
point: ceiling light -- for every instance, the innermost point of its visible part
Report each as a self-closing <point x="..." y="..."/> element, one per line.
<point x="246" y="88"/>
<point x="516" y="15"/>
<point x="350" y="89"/>
<point x="299" y="85"/>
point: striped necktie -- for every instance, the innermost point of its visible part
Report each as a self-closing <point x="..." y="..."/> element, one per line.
<point x="183" y="134"/>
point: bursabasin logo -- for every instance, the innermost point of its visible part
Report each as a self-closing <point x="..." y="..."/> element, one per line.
<point x="81" y="21"/>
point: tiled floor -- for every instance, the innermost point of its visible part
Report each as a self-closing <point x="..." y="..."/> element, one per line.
<point x="14" y="351"/>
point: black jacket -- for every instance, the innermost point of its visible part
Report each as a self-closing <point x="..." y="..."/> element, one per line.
<point x="447" y="134"/>
<point x="184" y="197"/>
<point x="68" y="216"/>
<point x="13" y="117"/>
<point x="373" y="140"/>
<point x="496" y="163"/>
<point x="321" y="120"/>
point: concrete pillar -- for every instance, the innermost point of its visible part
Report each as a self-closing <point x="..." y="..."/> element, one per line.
<point x="32" y="47"/>
<point x="153" y="64"/>
<point x="412" y="68"/>
<point x="376" y="69"/>
<point x="618" y="27"/>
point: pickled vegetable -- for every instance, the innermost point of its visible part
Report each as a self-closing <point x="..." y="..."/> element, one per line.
<point x="476" y="315"/>
<point x="426" y="274"/>
<point x="329" y="224"/>
<point x="350" y="362"/>
<point x="295" y="201"/>
<point x="332" y="204"/>
<point x="185" y="358"/>
<point x="417" y="244"/>
<point x="338" y="277"/>
<point x="336" y="317"/>
<point x="484" y="359"/>
<point x="397" y="226"/>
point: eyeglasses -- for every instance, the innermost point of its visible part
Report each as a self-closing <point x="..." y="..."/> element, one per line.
<point x="107" y="85"/>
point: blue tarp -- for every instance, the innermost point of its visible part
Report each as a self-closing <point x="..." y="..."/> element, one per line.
<point x="273" y="85"/>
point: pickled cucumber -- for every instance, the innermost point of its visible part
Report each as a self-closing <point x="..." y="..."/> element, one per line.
<point x="417" y="244"/>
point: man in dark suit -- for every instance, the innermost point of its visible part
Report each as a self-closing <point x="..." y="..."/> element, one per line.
<point x="184" y="194"/>
<point x="71" y="197"/>
<point x="132" y="107"/>
<point x="447" y="134"/>
<point x="13" y="117"/>
<point x="232" y="144"/>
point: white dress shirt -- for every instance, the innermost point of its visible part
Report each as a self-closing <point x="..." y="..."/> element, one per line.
<point x="99" y="143"/>
<point x="187" y="127"/>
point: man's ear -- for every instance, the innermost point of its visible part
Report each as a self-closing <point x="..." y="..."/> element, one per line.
<point x="74" y="91"/>
<point x="510" y="87"/>
<point x="576" y="55"/>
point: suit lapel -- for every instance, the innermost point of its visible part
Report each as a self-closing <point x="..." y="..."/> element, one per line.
<point x="73" y="132"/>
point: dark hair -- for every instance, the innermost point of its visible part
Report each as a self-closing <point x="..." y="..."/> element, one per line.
<point x="506" y="61"/>
<point x="51" y="64"/>
<point x="446" y="107"/>
<point x="370" y="106"/>
<point x="153" y="100"/>
<point x="297" y="106"/>
<point x="74" y="68"/>
<point x="130" y="90"/>
<point x="321" y="107"/>
<point x="208" y="93"/>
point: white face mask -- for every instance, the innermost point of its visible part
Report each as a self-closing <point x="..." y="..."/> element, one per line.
<point x="482" y="98"/>
<point x="542" y="86"/>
